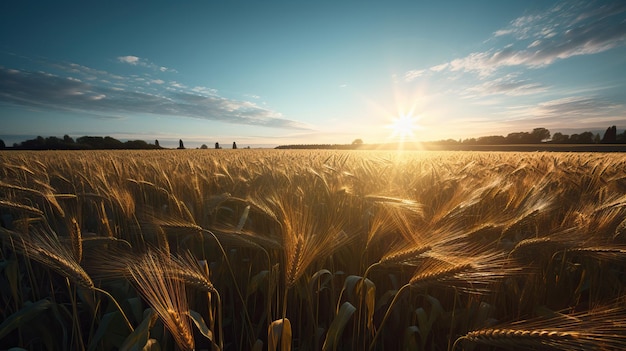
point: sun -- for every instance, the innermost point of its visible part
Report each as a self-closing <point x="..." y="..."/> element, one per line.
<point x="404" y="127"/>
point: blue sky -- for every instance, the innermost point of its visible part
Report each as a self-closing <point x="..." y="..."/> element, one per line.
<point x="282" y="72"/>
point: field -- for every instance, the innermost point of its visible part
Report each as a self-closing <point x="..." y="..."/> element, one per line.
<point x="310" y="250"/>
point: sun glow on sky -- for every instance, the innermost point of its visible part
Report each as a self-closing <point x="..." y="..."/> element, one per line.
<point x="404" y="127"/>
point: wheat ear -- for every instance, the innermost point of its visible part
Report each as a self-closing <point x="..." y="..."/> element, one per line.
<point x="165" y="293"/>
<point x="599" y="328"/>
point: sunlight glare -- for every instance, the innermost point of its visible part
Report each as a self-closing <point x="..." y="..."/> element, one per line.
<point x="404" y="127"/>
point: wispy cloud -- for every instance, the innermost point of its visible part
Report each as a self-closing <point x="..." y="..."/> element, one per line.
<point x="509" y="85"/>
<point x="133" y="60"/>
<point x="577" y="107"/>
<point x="563" y="31"/>
<point x="50" y="91"/>
<point x="580" y="111"/>
<point x="137" y="61"/>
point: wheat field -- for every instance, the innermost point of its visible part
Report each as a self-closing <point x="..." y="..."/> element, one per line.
<point x="312" y="250"/>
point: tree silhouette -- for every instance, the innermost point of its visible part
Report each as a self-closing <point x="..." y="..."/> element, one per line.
<point x="560" y="138"/>
<point x="610" y="136"/>
<point x="234" y="145"/>
<point x="540" y="134"/>
<point x="516" y="138"/>
<point x="204" y="147"/>
<point x="357" y="142"/>
<point x="2" y="144"/>
<point x="156" y="143"/>
<point x="217" y="145"/>
<point x="68" y="139"/>
<point x="180" y="144"/>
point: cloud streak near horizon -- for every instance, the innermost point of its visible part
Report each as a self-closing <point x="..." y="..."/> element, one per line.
<point x="89" y="90"/>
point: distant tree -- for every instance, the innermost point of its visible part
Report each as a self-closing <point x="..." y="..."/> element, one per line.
<point x="181" y="146"/>
<point x="112" y="143"/>
<point x="582" y="138"/>
<point x="586" y="137"/>
<point x="2" y="144"/>
<point x="610" y="136"/>
<point x="156" y="143"/>
<point x="540" y="134"/>
<point x="204" y="147"/>
<point x="98" y="143"/>
<point x="596" y="138"/>
<point x="54" y="143"/>
<point x="470" y="141"/>
<point x="217" y="145"/>
<point x="518" y="138"/>
<point x="559" y="138"/>
<point x="136" y="144"/>
<point x="357" y="142"/>
<point x="68" y="139"/>
<point x="491" y="140"/>
<point x="38" y="143"/>
<point x="234" y="145"/>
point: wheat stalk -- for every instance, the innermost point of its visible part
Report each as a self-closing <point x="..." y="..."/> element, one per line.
<point x="165" y="293"/>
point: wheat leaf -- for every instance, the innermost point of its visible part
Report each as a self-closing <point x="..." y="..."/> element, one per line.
<point x="23" y="316"/>
<point x="279" y="333"/>
<point x="138" y="339"/>
<point x="336" y="327"/>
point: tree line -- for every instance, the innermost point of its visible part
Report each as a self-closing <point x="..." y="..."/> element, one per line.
<point x="82" y="143"/>
<point x="92" y="143"/>
<point x="543" y="135"/>
<point x="536" y="136"/>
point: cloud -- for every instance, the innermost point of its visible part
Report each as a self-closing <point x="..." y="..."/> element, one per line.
<point x="49" y="91"/>
<point x="133" y="60"/>
<point x="580" y="111"/>
<point x="204" y="90"/>
<point x="577" y="106"/>
<point x="508" y="85"/>
<point x="413" y="74"/>
<point x="137" y="61"/>
<point x="440" y="67"/>
<point x="566" y="30"/>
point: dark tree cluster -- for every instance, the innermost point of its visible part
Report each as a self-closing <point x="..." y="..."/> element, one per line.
<point x="610" y="136"/>
<point x="82" y="143"/>
<point x="539" y="135"/>
<point x="582" y="138"/>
